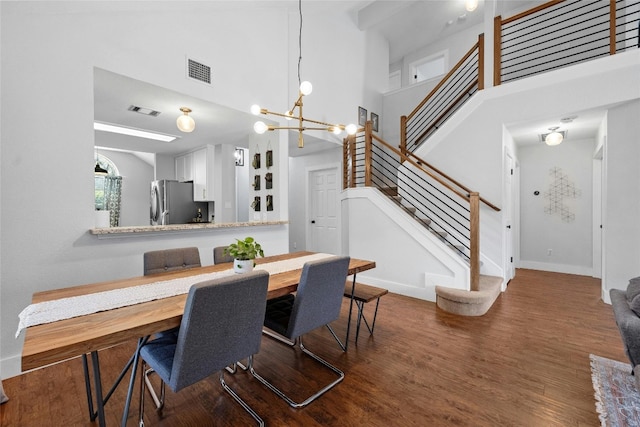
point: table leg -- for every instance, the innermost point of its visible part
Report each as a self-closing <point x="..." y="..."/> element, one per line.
<point x="98" y="385"/>
<point x="134" y="370"/>
<point x="353" y="288"/>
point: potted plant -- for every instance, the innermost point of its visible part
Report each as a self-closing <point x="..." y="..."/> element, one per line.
<point x="244" y="252"/>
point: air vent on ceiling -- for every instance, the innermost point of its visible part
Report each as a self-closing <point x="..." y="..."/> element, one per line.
<point x="144" y="110"/>
<point x="199" y="71"/>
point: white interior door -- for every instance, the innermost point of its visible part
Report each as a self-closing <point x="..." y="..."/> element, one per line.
<point x="323" y="211"/>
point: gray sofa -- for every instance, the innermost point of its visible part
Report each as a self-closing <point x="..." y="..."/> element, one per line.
<point x="626" y="308"/>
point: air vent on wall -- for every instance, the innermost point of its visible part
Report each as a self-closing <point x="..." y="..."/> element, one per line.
<point x="199" y="71"/>
<point x="144" y="110"/>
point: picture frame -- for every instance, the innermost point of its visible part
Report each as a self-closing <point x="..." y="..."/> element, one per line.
<point x="374" y="121"/>
<point x="362" y="116"/>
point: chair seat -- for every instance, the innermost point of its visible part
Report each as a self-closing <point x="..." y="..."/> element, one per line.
<point x="278" y="313"/>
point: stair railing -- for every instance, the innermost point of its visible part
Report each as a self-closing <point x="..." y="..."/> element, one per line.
<point x="560" y="33"/>
<point x="460" y="83"/>
<point x="445" y="207"/>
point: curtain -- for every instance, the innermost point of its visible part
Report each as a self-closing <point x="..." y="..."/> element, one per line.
<point x="112" y="198"/>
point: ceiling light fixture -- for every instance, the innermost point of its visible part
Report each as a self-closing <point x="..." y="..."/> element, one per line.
<point x="106" y="127"/>
<point x="185" y="122"/>
<point x="305" y="88"/>
<point x="553" y="138"/>
<point x="470" y="5"/>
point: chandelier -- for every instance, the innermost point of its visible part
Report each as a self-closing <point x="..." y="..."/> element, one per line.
<point x="295" y="113"/>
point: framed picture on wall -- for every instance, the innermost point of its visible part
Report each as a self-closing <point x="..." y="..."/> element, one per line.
<point x="362" y="116"/>
<point x="374" y="122"/>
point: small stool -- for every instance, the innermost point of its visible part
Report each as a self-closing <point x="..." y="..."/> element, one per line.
<point x="363" y="294"/>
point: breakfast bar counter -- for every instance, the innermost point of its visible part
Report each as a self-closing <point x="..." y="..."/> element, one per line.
<point x="111" y="232"/>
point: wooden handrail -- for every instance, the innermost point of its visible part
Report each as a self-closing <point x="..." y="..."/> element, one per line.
<point x="404" y="158"/>
<point x="459" y="185"/>
<point x="443" y="81"/>
<point x="447" y="110"/>
<point x="532" y="11"/>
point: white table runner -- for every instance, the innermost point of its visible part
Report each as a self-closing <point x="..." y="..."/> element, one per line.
<point x="66" y="308"/>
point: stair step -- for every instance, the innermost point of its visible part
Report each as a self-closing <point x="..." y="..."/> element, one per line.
<point x="389" y="191"/>
<point x="441" y="234"/>
<point x="470" y="303"/>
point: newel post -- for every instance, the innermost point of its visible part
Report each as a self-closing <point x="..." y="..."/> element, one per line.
<point x="497" y="50"/>
<point x="474" y="256"/>
<point x="368" y="143"/>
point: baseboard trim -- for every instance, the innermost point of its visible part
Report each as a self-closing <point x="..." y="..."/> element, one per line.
<point x="557" y="268"/>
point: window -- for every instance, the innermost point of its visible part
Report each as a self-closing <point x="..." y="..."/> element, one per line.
<point x="428" y="68"/>
<point x="108" y="189"/>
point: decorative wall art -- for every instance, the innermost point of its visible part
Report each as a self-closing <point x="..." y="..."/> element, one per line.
<point x="269" y="202"/>
<point x="374" y="122"/>
<point x="256" y="159"/>
<point x="239" y="154"/>
<point x="362" y="116"/>
<point x="268" y="181"/>
<point x="269" y="157"/>
<point x="256" y="204"/>
<point x="560" y="189"/>
<point x="256" y="182"/>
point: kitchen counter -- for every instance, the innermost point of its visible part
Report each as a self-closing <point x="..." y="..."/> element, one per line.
<point x="146" y="230"/>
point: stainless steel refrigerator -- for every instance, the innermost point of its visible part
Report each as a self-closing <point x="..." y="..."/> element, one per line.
<point x="172" y="203"/>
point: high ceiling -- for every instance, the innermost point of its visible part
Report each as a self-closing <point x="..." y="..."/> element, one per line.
<point x="407" y="25"/>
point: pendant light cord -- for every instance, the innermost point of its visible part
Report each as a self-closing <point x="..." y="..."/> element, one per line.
<point x="299" y="41"/>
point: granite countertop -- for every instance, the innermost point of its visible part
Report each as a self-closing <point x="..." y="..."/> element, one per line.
<point x="149" y="229"/>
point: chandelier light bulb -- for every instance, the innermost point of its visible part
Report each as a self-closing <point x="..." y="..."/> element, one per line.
<point x="260" y="127"/>
<point x="255" y="109"/>
<point x="288" y="114"/>
<point x="470" y="5"/>
<point x="351" y="129"/>
<point x="306" y="88"/>
<point x="185" y="123"/>
<point x="336" y="130"/>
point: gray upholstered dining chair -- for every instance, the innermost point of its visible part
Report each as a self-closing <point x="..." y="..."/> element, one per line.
<point x="317" y="303"/>
<point x="219" y="256"/>
<point x="206" y="344"/>
<point x="166" y="260"/>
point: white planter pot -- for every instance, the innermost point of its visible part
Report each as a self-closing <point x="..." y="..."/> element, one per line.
<point x="242" y="265"/>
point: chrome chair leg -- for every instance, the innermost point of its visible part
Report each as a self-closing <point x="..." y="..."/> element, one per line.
<point x="310" y="398"/>
<point x="238" y="399"/>
<point x="278" y="337"/>
<point x="159" y="402"/>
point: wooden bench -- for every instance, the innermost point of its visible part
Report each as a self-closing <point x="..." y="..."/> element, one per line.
<point x="363" y="294"/>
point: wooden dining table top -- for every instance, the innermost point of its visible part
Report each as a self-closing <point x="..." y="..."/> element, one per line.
<point x="48" y="343"/>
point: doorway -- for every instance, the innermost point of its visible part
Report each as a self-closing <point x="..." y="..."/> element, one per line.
<point x="323" y="230"/>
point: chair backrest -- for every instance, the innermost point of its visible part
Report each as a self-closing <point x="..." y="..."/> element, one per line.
<point x="222" y="323"/>
<point x="319" y="295"/>
<point x="170" y="260"/>
<point x="219" y="256"/>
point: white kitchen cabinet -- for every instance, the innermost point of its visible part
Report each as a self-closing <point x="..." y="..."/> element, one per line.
<point x="203" y="174"/>
<point x="184" y="167"/>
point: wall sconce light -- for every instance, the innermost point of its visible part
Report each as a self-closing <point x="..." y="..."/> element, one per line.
<point x="239" y="156"/>
<point x="185" y="122"/>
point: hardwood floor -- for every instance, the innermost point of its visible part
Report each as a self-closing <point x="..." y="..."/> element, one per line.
<point x="525" y="363"/>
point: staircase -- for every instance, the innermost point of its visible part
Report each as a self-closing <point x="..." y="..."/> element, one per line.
<point x="446" y="208"/>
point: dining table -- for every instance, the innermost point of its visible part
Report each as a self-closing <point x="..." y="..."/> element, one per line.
<point x="85" y="335"/>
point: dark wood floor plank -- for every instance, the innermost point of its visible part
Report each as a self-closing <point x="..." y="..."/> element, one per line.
<point x="526" y="362"/>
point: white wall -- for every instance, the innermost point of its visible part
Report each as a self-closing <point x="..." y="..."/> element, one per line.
<point x="543" y="227"/>
<point x="49" y="51"/>
<point x="621" y="227"/>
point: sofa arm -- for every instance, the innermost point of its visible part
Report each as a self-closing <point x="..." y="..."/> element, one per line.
<point x="628" y="325"/>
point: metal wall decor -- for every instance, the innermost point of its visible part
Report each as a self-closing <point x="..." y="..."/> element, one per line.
<point x="268" y="181"/>
<point x="256" y="204"/>
<point x="560" y="189"/>
<point x="256" y="182"/>
<point x="269" y="202"/>
<point x="269" y="155"/>
<point x="256" y="159"/>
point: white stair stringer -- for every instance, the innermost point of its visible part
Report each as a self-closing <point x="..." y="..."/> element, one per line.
<point x="410" y="260"/>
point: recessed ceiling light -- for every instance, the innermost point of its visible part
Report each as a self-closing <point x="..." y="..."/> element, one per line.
<point x="144" y="110"/>
<point x="106" y="127"/>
